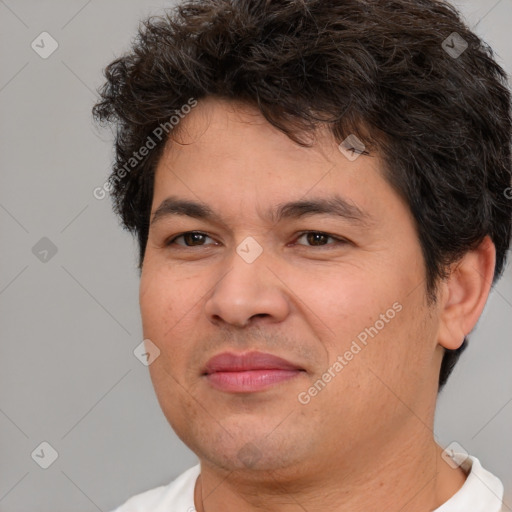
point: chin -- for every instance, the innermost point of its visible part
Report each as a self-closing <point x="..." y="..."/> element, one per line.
<point x="260" y="448"/>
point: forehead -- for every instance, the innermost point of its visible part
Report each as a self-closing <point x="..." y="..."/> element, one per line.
<point x="229" y="126"/>
<point x="225" y="156"/>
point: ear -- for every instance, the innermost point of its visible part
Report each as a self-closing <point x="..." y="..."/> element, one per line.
<point x="465" y="293"/>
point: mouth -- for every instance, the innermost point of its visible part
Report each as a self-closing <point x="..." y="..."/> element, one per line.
<point x="248" y="372"/>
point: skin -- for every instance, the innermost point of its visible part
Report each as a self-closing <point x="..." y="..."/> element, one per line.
<point x="365" y="442"/>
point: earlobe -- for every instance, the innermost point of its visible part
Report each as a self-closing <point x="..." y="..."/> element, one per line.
<point x="465" y="293"/>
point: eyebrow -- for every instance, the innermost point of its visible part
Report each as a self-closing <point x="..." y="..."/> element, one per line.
<point x="334" y="206"/>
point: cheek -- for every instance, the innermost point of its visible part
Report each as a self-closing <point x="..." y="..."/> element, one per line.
<point x="343" y="301"/>
<point x="397" y="361"/>
<point x="381" y="375"/>
<point x="163" y="311"/>
<point x="164" y="300"/>
<point x="380" y="319"/>
<point x="169" y="310"/>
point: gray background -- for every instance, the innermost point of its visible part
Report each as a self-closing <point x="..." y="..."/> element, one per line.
<point x="69" y="325"/>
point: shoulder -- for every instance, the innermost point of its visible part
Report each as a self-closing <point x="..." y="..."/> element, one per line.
<point x="481" y="492"/>
<point x="179" y="493"/>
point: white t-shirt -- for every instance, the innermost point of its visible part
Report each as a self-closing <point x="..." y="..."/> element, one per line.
<point x="481" y="492"/>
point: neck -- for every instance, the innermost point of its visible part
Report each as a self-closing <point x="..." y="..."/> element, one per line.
<point x="405" y="473"/>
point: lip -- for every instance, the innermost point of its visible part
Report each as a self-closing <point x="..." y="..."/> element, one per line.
<point x="248" y="372"/>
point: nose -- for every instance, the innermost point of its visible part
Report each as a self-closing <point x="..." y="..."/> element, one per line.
<point x="248" y="293"/>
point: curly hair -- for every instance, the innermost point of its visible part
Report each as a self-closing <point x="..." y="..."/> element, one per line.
<point x="379" y="69"/>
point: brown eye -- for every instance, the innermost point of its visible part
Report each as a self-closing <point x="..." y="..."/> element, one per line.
<point x="191" y="239"/>
<point x="320" y="239"/>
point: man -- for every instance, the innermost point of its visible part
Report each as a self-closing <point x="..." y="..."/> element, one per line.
<point x="320" y="193"/>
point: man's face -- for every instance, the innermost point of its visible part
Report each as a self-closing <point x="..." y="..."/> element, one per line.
<point x="352" y="291"/>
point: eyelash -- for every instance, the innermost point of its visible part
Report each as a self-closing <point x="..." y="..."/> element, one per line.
<point x="340" y="241"/>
